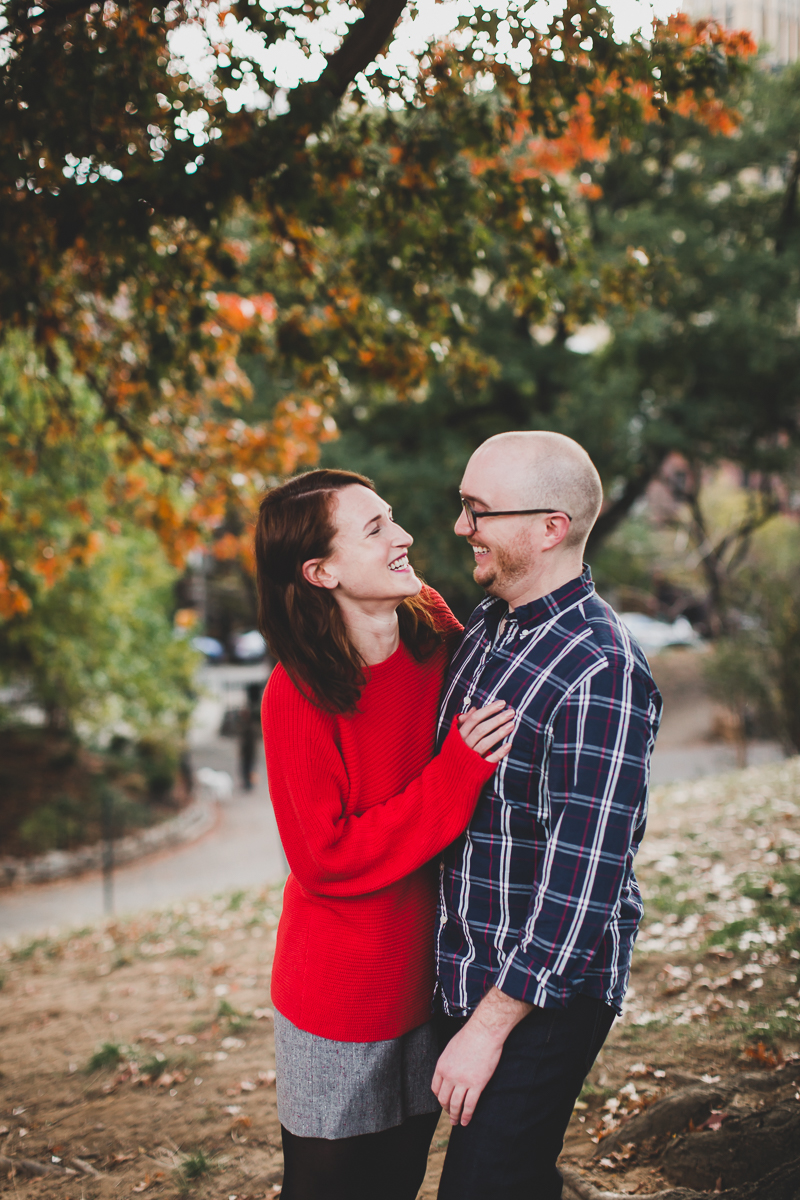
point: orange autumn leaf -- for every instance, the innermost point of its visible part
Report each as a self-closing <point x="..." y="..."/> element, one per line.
<point x="240" y="312"/>
<point x="592" y="191"/>
<point x="227" y="547"/>
<point x="13" y="600"/>
<point x="579" y="144"/>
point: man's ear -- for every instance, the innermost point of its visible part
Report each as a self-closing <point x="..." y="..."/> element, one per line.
<point x="556" y="529"/>
<point x="316" y="572"/>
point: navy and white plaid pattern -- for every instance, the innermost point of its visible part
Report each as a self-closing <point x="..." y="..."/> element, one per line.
<point x="538" y="896"/>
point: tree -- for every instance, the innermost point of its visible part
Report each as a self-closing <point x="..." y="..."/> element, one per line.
<point x="691" y="258"/>
<point x="711" y="364"/>
<point x="97" y="653"/>
<point x="87" y="635"/>
<point x="755" y="667"/>
<point x="116" y="233"/>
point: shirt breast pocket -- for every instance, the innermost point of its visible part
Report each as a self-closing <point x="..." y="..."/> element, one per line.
<point x="521" y="780"/>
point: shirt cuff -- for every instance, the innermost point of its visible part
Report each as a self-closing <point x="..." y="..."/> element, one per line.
<point x="521" y="981"/>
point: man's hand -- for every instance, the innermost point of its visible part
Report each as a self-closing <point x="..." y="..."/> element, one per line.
<point x="464" y="1069"/>
<point x="469" y="1060"/>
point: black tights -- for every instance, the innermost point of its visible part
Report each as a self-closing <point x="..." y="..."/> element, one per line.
<point x="389" y="1165"/>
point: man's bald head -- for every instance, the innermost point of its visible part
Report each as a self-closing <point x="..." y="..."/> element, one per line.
<point x="537" y="469"/>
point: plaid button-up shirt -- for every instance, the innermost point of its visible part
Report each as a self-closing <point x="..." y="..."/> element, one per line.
<point x="538" y="896"/>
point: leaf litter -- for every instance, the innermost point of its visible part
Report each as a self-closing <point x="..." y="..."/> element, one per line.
<point x="713" y="991"/>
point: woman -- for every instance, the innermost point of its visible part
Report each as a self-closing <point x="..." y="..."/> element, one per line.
<point x="349" y="718"/>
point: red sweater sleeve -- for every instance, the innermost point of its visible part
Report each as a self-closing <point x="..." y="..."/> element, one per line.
<point x="332" y="854"/>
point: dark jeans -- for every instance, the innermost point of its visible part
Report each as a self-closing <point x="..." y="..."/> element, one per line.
<point x="509" y="1149"/>
<point x="389" y="1165"/>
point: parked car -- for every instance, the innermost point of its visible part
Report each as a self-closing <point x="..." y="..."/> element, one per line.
<point x="213" y="650"/>
<point x="249" y="647"/>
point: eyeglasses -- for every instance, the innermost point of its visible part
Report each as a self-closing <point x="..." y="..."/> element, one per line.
<point x="473" y="517"/>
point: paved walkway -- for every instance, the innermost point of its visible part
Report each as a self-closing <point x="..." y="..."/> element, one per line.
<point x="244" y="850"/>
<point x="686" y="747"/>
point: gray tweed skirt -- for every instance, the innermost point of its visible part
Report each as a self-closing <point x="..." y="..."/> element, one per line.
<point x="329" y="1089"/>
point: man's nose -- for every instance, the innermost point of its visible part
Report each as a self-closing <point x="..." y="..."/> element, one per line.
<point x="462" y="526"/>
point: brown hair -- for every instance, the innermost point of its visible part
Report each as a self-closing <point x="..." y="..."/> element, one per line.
<point x="303" y="624"/>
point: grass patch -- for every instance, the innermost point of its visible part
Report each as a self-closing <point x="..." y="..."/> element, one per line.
<point x="778" y="898"/>
<point x="109" y="1055"/>
<point x="155" y="1064"/>
<point x="158" y="1062"/>
<point x="666" y="896"/>
<point x="777" y="908"/>
<point x="729" y="936"/>
<point x="196" y="1165"/>
<point x="589" y="1091"/>
<point x="236" y="901"/>
<point x="23" y="953"/>
<point x="236" y="1020"/>
<point x="771" y="1029"/>
<point x="634" y="1035"/>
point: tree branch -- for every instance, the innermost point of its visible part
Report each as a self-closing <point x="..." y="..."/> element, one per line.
<point x="123" y="424"/>
<point x="616" y="513"/>
<point x="366" y="38"/>
<point x="786" y="219"/>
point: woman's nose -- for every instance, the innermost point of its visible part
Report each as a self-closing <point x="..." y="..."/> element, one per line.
<point x="401" y="537"/>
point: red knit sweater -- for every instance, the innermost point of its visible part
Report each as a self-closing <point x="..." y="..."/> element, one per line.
<point x="362" y="808"/>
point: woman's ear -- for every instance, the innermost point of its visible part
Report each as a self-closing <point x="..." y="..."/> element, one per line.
<point x="317" y="572"/>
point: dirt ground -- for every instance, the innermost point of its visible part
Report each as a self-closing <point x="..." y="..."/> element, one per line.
<point x="139" y="1056"/>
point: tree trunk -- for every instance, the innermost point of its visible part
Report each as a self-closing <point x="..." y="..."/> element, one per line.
<point x="783" y="1183"/>
<point x="743" y="1150"/>
<point x="618" y="510"/>
<point x="667" y="1116"/>
<point x="753" y="1155"/>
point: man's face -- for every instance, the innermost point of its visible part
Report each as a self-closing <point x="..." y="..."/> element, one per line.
<point x="503" y="546"/>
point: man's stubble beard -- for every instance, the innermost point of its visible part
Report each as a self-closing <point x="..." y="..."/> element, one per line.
<point x="510" y="566"/>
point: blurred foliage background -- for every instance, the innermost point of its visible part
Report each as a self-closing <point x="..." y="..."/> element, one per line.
<point x="704" y="363"/>
<point x="210" y="281"/>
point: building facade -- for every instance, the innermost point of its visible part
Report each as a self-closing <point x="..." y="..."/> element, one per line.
<point x="775" y="24"/>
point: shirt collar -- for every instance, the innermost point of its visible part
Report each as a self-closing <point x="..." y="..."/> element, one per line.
<point x="530" y="615"/>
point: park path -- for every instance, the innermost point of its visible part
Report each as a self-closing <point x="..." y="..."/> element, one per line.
<point x="687" y="747"/>
<point x="244" y="850"/>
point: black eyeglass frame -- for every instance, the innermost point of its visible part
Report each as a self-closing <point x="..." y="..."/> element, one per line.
<point x="473" y="517"/>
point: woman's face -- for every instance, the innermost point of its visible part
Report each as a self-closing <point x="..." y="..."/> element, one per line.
<point x="369" y="560"/>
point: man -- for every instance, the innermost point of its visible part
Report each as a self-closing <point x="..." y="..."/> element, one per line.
<point x="538" y="906"/>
